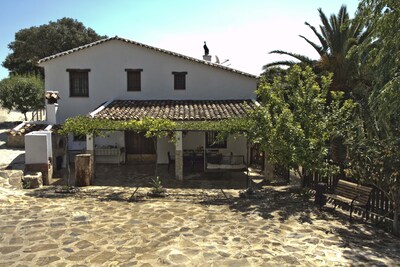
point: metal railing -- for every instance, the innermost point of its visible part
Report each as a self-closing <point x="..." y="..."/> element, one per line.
<point x="38" y="115"/>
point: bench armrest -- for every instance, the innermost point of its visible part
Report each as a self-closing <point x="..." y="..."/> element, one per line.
<point x="354" y="199"/>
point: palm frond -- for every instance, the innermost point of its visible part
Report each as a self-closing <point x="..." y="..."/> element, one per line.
<point x="319" y="49"/>
<point x="326" y="26"/>
<point x="302" y="58"/>
<point x="279" y="63"/>
<point x="343" y="16"/>
<point x="320" y="37"/>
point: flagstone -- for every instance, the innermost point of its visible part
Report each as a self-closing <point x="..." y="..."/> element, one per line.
<point x="83" y="229"/>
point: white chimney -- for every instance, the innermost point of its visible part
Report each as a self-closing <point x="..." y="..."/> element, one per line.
<point x="51" y="106"/>
<point x="207" y="57"/>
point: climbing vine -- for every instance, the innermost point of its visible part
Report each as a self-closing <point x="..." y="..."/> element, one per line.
<point x="153" y="127"/>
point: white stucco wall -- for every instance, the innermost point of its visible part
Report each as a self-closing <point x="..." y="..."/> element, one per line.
<point x="193" y="140"/>
<point x="163" y="146"/>
<point x="111" y="139"/>
<point x="38" y="147"/>
<point x="108" y="79"/>
<point x="75" y="145"/>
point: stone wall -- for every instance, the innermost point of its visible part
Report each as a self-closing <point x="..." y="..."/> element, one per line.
<point x="15" y="140"/>
<point x="140" y="158"/>
<point x="45" y="169"/>
<point x="11" y="178"/>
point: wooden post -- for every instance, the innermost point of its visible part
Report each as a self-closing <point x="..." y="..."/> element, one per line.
<point x="83" y="170"/>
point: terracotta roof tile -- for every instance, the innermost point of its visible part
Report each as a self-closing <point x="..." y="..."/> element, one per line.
<point x="31" y="127"/>
<point x="177" y="110"/>
<point x="148" y="47"/>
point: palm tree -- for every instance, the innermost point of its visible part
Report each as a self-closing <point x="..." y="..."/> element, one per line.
<point x="337" y="36"/>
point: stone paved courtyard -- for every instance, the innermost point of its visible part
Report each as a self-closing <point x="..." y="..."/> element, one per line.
<point x="190" y="227"/>
<point x="195" y="225"/>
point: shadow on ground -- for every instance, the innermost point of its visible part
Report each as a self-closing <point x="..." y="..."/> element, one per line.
<point x="282" y="207"/>
<point x="142" y="175"/>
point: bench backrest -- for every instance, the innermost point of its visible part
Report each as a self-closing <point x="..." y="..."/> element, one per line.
<point x="351" y="190"/>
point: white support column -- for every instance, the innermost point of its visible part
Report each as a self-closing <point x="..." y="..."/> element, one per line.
<point x="51" y="113"/>
<point x="90" y="150"/>
<point x="179" y="156"/>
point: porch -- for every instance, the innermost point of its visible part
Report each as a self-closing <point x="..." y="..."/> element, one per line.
<point x="192" y="151"/>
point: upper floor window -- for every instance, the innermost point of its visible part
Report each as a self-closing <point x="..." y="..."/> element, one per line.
<point x="179" y="80"/>
<point x="134" y="79"/>
<point x="79" y="82"/>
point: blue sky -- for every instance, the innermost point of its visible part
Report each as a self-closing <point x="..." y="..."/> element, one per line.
<point x="242" y="31"/>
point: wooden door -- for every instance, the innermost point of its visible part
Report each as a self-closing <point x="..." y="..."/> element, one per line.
<point x="139" y="149"/>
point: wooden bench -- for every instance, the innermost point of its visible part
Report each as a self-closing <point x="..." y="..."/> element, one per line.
<point x="225" y="163"/>
<point x="351" y="194"/>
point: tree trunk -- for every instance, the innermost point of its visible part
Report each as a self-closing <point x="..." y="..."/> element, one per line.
<point x="396" y="226"/>
<point x="268" y="169"/>
<point x="83" y="169"/>
<point x="26" y="118"/>
<point x="339" y="152"/>
<point x="396" y="211"/>
<point x="155" y="149"/>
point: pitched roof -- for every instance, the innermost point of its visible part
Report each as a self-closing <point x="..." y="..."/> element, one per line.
<point x="149" y="47"/>
<point x="176" y="110"/>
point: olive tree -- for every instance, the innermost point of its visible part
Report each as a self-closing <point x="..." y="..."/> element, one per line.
<point x="294" y="125"/>
<point x="22" y="93"/>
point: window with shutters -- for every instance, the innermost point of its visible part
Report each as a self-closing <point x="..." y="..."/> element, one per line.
<point x="134" y="79"/>
<point x="78" y="82"/>
<point x="179" y="80"/>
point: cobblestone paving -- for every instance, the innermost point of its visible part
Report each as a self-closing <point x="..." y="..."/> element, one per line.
<point x="190" y="227"/>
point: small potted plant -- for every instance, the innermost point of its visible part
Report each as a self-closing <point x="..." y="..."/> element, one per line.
<point x="65" y="189"/>
<point x="157" y="189"/>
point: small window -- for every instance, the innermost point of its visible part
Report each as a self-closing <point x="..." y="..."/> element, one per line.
<point x="79" y="138"/>
<point x="134" y="79"/>
<point x="179" y="80"/>
<point x="211" y="138"/>
<point x="78" y="82"/>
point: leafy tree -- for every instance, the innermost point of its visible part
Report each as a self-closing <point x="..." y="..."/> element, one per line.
<point x="22" y="93"/>
<point x="294" y="124"/>
<point x="272" y="72"/>
<point x="383" y="59"/>
<point x="34" y="43"/>
<point x="376" y="161"/>
<point x="337" y="36"/>
<point x="374" y="140"/>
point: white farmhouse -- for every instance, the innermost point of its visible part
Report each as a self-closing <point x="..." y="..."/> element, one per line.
<point x="120" y="79"/>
